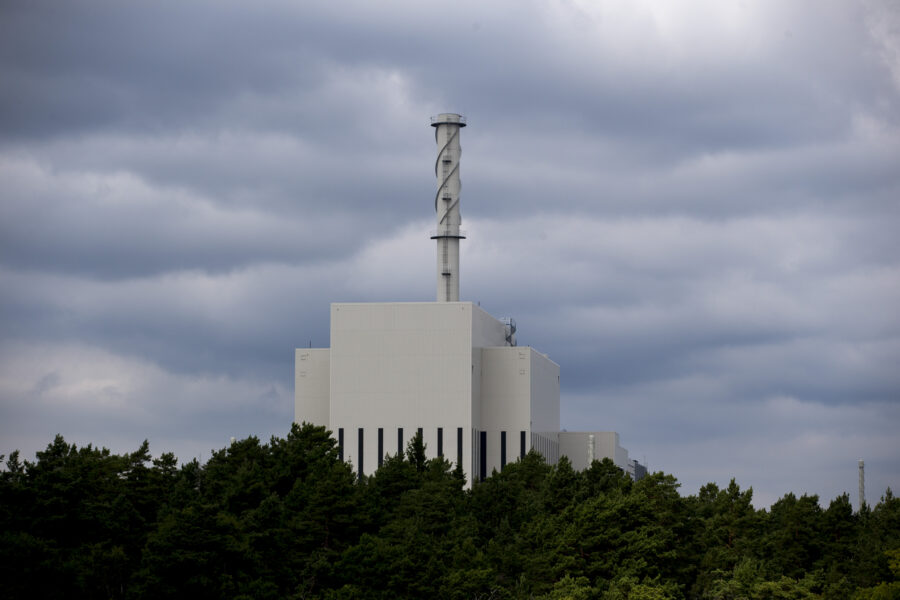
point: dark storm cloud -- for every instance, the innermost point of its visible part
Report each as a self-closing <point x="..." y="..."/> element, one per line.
<point x="691" y="207"/>
<point x="73" y="226"/>
<point x="141" y="65"/>
<point x="159" y="65"/>
<point x="237" y="324"/>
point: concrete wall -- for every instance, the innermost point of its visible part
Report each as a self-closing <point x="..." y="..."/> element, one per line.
<point x="401" y="365"/>
<point x="312" y="387"/>
<point x="487" y="331"/>
<point x="576" y="446"/>
<point x="506" y="402"/>
<point x="520" y="393"/>
<point x="544" y="374"/>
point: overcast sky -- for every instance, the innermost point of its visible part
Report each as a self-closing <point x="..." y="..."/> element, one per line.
<point x="692" y="207"/>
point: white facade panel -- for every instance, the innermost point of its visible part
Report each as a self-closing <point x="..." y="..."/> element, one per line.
<point x="312" y="389"/>
<point x="544" y="392"/>
<point x="401" y="365"/>
<point x="487" y="331"/>
<point x="583" y="447"/>
<point x="544" y="375"/>
<point x="505" y="388"/>
<point x="520" y="393"/>
<point x="505" y="403"/>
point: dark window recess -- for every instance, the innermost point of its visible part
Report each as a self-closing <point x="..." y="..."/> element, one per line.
<point x="521" y="444"/>
<point x="341" y="443"/>
<point x="483" y="458"/>
<point x="399" y="441"/>
<point x="441" y="442"/>
<point x="502" y="449"/>
<point x="380" y="446"/>
<point x="459" y="446"/>
<point x="359" y="456"/>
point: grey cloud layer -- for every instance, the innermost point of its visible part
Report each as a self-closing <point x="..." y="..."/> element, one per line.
<point x="692" y="207"/>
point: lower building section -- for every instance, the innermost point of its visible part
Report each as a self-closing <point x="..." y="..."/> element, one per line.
<point x="638" y="471"/>
<point x="447" y="370"/>
<point x="366" y="456"/>
<point x="581" y="448"/>
<point x="584" y="447"/>
<point x="547" y="445"/>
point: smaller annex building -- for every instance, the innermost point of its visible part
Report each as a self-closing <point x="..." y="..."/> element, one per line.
<point x="584" y="447"/>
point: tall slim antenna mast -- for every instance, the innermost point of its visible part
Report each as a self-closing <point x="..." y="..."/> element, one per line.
<point x="446" y="204"/>
<point x="862" y="483"/>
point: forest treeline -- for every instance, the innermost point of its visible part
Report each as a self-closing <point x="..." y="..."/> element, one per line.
<point x="289" y="519"/>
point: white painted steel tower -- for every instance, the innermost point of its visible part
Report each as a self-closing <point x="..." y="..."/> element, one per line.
<point x="446" y="204"/>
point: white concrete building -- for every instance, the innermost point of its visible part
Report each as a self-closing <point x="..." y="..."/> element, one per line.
<point x="440" y="367"/>
<point x="445" y="368"/>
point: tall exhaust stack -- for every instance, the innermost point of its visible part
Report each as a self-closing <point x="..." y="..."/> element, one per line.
<point x="446" y="204"/>
<point x="862" y="483"/>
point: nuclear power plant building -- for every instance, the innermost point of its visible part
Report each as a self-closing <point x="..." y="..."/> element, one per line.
<point x="446" y="369"/>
